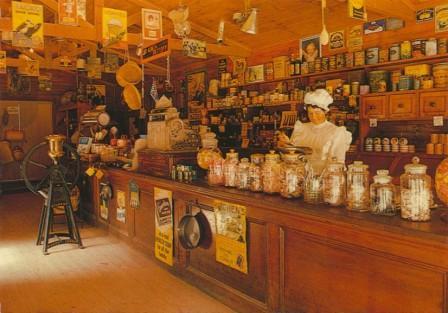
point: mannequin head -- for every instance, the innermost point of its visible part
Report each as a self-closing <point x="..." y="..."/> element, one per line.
<point x="316" y="115"/>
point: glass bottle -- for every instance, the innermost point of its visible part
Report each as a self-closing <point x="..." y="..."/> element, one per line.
<point x="334" y="183"/>
<point x="415" y="189"/>
<point x="271" y="173"/>
<point x="292" y="176"/>
<point x="243" y="174"/>
<point x="382" y="194"/>
<point x="216" y="172"/>
<point x="230" y="169"/>
<point x="358" y="187"/>
<point x="255" y="177"/>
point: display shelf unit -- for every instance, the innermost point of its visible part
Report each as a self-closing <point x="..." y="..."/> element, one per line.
<point x="262" y="106"/>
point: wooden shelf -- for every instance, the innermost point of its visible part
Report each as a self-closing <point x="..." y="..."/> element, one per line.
<point x="254" y="106"/>
<point x="400" y="154"/>
<point x="441" y="57"/>
<point x="373" y="94"/>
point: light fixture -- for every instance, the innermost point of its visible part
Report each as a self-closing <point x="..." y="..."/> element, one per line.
<point x="250" y="25"/>
<point x="220" y="37"/>
<point x="179" y="17"/>
<point x="324" y="37"/>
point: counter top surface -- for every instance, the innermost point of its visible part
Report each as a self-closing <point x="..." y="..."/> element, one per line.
<point x="435" y="230"/>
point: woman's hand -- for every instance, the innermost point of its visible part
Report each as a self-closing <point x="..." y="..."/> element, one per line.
<point x="282" y="139"/>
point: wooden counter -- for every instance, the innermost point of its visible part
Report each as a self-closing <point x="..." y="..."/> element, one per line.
<point x="302" y="258"/>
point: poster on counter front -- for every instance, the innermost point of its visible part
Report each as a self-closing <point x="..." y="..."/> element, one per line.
<point x="441" y="19"/>
<point x="121" y="206"/>
<point x="68" y="12"/>
<point x="163" y="200"/>
<point x="2" y="62"/>
<point x="231" y="244"/>
<point x="27" y="25"/>
<point x="357" y="9"/>
<point x="115" y="24"/>
<point x="151" y="24"/>
<point x="134" y="195"/>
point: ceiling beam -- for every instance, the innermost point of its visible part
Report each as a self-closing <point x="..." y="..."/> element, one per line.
<point x="135" y="19"/>
<point x="51" y="4"/>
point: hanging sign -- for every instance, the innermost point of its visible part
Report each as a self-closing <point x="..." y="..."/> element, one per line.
<point x="163" y="249"/>
<point x="68" y="12"/>
<point x="151" y="24"/>
<point x="115" y="28"/>
<point x="29" y="68"/>
<point x="355" y="40"/>
<point x="441" y="18"/>
<point x="231" y="248"/>
<point x="156" y="50"/>
<point x="105" y="196"/>
<point x="121" y="206"/>
<point x="337" y="40"/>
<point x="356" y="9"/>
<point x="374" y="27"/>
<point x="2" y="62"/>
<point x="81" y="9"/>
<point x="194" y="48"/>
<point x="111" y="62"/>
<point x="424" y="15"/>
<point x="27" y="25"/>
<point x="134" y="195"/>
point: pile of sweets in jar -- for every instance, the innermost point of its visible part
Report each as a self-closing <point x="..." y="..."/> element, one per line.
<point x="335" y="186"/>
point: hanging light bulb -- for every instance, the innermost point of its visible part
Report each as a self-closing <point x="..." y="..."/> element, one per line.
<point x="324" y="37"/>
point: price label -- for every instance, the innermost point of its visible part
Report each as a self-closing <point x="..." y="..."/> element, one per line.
<point x="373" y="122"/>
<point x="99" y="174"/>
<point x="437" y="120"/>
<point x="90" y="171"/>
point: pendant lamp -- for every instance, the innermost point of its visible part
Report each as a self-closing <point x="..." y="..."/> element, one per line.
<point x="324" y="37"/>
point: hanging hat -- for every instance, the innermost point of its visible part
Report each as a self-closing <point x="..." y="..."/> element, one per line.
<point x="320" y="98"/>
<point x="129" y="73"/>
<point x="132" y="97"/>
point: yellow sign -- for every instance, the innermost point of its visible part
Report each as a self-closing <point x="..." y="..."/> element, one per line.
<point x="27" y="25"/>
<point x="441" y="19"/>
<point x="163" y="249"/>
<point x="115" y="28"/>
<point x="231" y="247"/>
<point x="357" y="9"/>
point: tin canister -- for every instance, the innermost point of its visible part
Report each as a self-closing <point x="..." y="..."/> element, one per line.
<point x="346" y="90"/>
<point x="440" y="73"/>
<point x="394" y="52"/>
<point x="395" y="79"/>
<point x="384" y="55"/>
<point x="405" y="83"/>
<point x="418" y="48"/>
<point x="349" y="59"/>
<point x="340" y="61"/>
<point x="372" y="55"/>
<point x="355" y="88"/>
<point x="406" y="50"/>
<point x="304" y="68"/>
<point x="318" y="65"/>
<point x="441" y="45"/>
<point x="377" y="80"/>
<point x="426" y="82"/>
<point x="311" y="67"/>
<point x="332" y="63"/>
<point x="360" y="58"/>
<point x="431" y="47"/>
<point x="325" y="64"/>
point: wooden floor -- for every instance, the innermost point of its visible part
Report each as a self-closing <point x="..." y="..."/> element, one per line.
<point x="107" y="276"/>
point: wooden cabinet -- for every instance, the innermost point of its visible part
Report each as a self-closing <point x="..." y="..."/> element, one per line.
<point x="403" y="106"/>
<point x="433" y="104"/>
<point x="374" y="107"/>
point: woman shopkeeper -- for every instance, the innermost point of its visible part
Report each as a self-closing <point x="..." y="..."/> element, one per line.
<point x="325" y="139"/>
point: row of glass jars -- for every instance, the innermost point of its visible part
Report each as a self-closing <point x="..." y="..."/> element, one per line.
<point x="293" y="178"/>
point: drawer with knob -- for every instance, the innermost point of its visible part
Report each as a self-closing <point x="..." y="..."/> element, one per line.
<point x="373" y="107"/>
<point x="433" y="104"/>
<point x="403" y="106"/>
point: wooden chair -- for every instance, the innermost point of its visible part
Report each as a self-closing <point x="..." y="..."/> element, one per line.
<point x="288" y="120"/>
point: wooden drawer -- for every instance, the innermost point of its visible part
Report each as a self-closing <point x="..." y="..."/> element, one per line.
<point x="433" y="104"/>
<point x="402" y="106"/>
<point x="373" y="107"/>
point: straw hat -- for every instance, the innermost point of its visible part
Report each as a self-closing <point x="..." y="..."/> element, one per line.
<point x="129" y="73"/>
<point x="132" y="97"/>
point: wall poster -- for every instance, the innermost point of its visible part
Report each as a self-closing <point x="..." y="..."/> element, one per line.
<point x="424" y="15"/>
<point x="68" y="12"/>
<point x="355" y="40"/>
<point x="194" y="48"/>
<point x="357" y="9"/>
<point x="27" y="25"/>
<point x="231" y="246"/>
<point x="151" y="24"/>
<point x="310" y="48"/>
<point x="163" y="249"/>
<point x="115" y="26"/>
<point x="337" y="40"/>
<point x="196" y="87"/>
<point x="441" y="18"/>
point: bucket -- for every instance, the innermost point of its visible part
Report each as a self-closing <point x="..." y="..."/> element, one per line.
<point x="440" y="73"/>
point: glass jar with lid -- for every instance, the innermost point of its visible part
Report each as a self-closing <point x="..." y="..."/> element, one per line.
<point x="382" y="194"/>
<point x="209" y="150"/>
<point x="292" y="176"/>
<point x="334" y="183"/>
<point x="415" y="190"/>
<point x="271" y="173"/>
<point x="255" y="175"/>
<point x="313" y="192"/>
<point x="243" y="174"/>
<point x="358" y="187"/>
<point x="216" y="172"/>
<point x="230" y="169"/>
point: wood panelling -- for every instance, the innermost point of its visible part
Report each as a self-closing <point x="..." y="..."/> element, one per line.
<point x="433" y="104"/>
<point x="403" y="106"/>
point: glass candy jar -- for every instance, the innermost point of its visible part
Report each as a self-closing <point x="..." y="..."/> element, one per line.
<point x="230" y="169"/>
<point x="292" y="176"/>
<point x="209" y="150"/>
<point x="255" y="176"/>
<point x="313" y="192"/>
<point x="271" y="173"/>
<point x="216" y="172"/>
<point x="382" y="194"/>
<point x="333" y="183"/>
<point x="243" y="174"/>
<point x="415" y="189"/>
<point x="358" y="187"/>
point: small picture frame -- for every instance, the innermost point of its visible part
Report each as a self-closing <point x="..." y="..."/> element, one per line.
<point x="310" y="48"/>
<point x="255" y="73"/>
<point x="196" y="89"/>
<point x="151" y="24"/>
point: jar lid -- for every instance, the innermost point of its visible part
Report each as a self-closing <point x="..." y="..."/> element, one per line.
<point x="244" y="160"/>
<point x="358" y="166"/>
<point x="415" y="167"/>
<point x="272" y="156"/>
<point x="291" y="156"/>
<point x="382" y="177"/>
<point x="232" y="154"/>
<point x="209" y="143"/>
<point x="257" y="158"/>
<point x="334" y="165"/>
